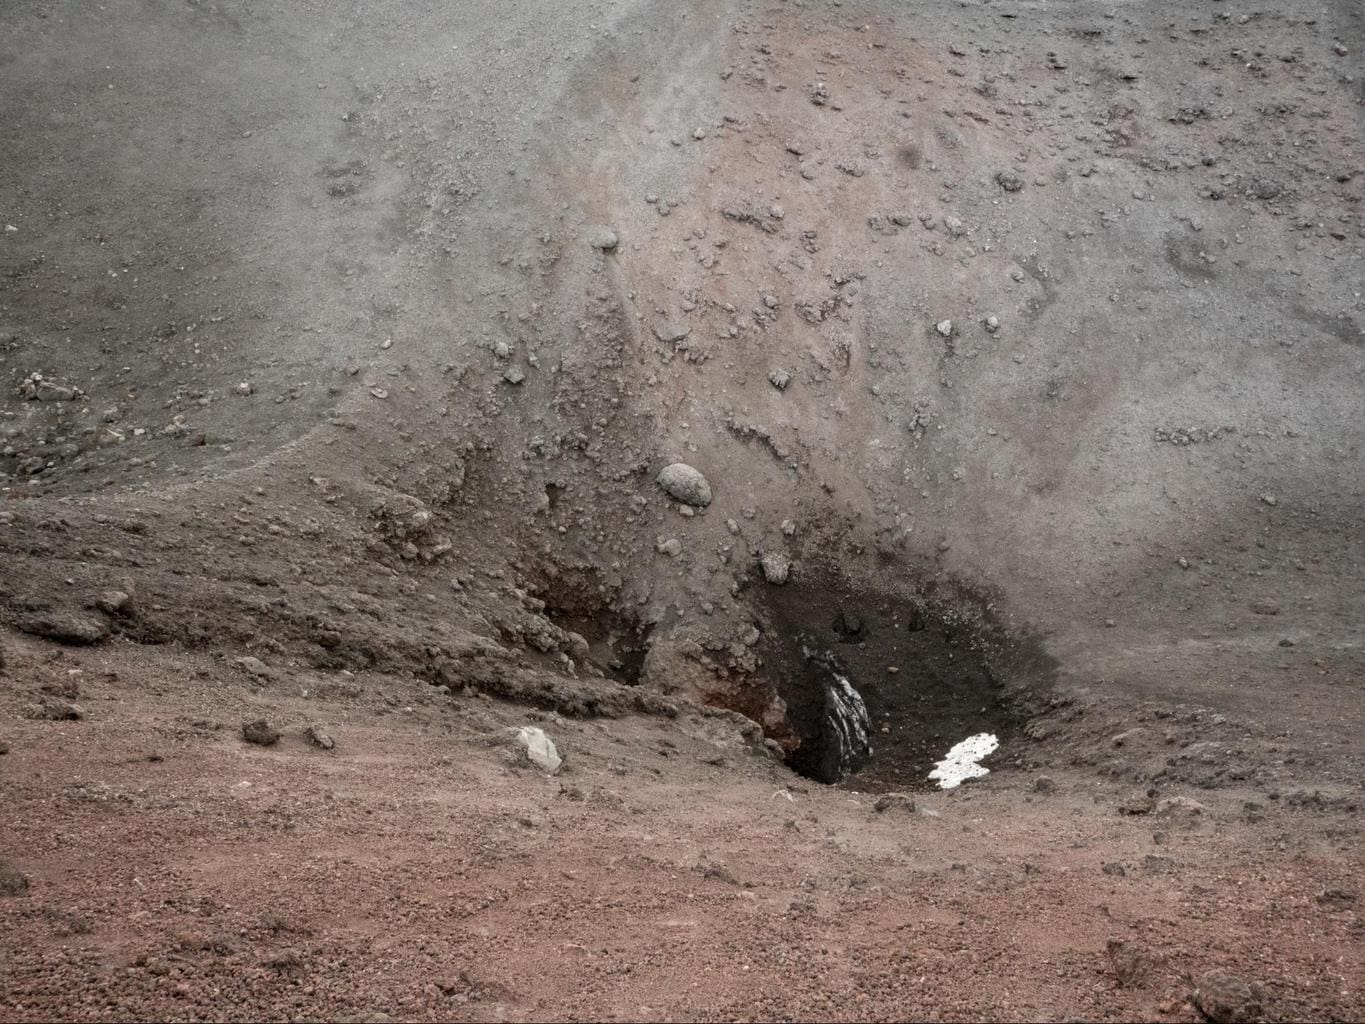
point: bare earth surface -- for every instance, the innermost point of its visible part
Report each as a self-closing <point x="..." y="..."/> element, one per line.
<point x="1021" y="347"/>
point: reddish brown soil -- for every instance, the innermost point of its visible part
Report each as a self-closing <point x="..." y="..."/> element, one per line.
<point x="423" y="870"/>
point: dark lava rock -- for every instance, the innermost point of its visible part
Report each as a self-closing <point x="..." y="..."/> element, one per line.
<point x="260" y="733"/>
<point x="319" y="737"/>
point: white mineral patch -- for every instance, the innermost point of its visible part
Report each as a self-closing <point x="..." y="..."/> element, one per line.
<point x="963" y="760"/>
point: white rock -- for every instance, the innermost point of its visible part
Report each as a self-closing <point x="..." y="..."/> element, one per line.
<point x="945" y="328"/>
<point x="540" y="749"/>
<point x="963" y="760"/>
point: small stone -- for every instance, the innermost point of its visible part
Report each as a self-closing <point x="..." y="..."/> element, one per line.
<point x="114" y="602"/>
<point x="955" y="226"/>
<point x="1183" y="562"/>
<point x="540" y="749"/>
<point x="670" y="332"/>
<point x="1266" y="606"/>
<point x="902" y="219"/>
<point x="1270" y="500"/>
<point x="379" y="393"/>
<point x="55" y="711"/>
<point x="776" y="569"/>
<point x="699" y="134"/>
<point x="66" y="627"/>
<point x="1227" y="999"/>
<point x="894" y="801"/>
<point x="319" y="737"/>
<point x="992" y="324"/>
<point x="255" y="667"/>
<point x="260" y="733"/>
<point x="671" y="547"/>
<point x="602" y="237"/>
<point x="13" y="882"/>
<point x="513" y="375"/>
<point x="502" y="350"/>
<point x="1010" y="180"/>
<point x="788" y="527"/>
<point x="945" y="328"/>
<point x="244" y="388"/>
<point x="1137" y="805"/>
<point x="685" y="484"/>
<point x="779" y="379"/>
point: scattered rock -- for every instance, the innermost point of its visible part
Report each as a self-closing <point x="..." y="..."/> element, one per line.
<point x="254" y="667"/>
<point x="670" y="332"/>
<point x="1136" y="805"/>
<point x="540" y="749"/>
<point x="36" y="389"/>
<point x="1114" y="868"/>
<point x="992" y="324"/>
<point x="1044" y="784"/>
<point x="779" y="379"/>
<point x="13" y="882"/>
<point x="1266" y="606"/>
<point x="260" y="733"/>
<point x="319" y="737"/>
<point x="776" y="569"/>
<point x="602" y="237"/>
<point x="945" y="328"/>
<point x="1010" y="180"/>
<point x="1226" y="999"/>
<point x="720" y="873"/>
<point x="71" y="628"/>
<point x="685" y="484"/>
<point x="514" y="375"/>
<point x="114" y="602"/>
<point x="672" y="547"/>
<point x="55" y="711"/>
<point x="894" y="801"/>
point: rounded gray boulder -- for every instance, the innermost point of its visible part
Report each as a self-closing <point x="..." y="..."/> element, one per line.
<point x="685" y="484"/>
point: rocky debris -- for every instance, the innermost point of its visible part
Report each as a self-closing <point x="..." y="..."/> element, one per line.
<point x="254" y="667"/>
<point x="1010" y="180"/>
<point x="514" y="375"/>
<point x="71" y="628"/>
<point x="1136" y="805"/>
<point x="1266" y="606"/>
<point x="945" y="328"/>
<point x="260" y="733"/>
<point x="36" y="389"/>
<point x="670" y="332"/>
<point x="1227" y="999"/>
<point x="540" y="749"/>
<point x="4" y="747"/>
<point x="13" y="882"/>
<point x="1130" y="963"/>
<point x="114" y="602"/>
<point x="894" y="801"/>
<point x="602" y="237"/>
<point x="992" y="324"/>
<point x="776" y="568"/>
<point x="319" y="737"/>
<point x="720" y="873"/>
<point x="407" y="526"/>
<point x="244" y="388"/>
<point x="672" y="547"/>
<point x="55" y="711"/>
<point x="685" y="484"/>
<point x="779" y="379"/>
